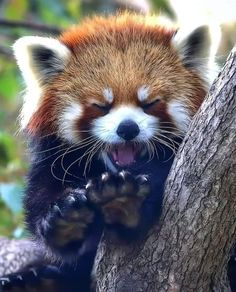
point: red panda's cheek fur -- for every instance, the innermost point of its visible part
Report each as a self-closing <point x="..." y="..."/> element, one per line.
<point x="160" y="111"/>
<point x="43" y="121"/>
<point x="84" y="123"/>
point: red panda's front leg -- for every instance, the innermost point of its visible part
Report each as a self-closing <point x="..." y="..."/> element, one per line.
<point x="131" y="202"/>
<point x="59" y="217"/>
<point x="67" y="223"/>
<point x="119" y="197"/>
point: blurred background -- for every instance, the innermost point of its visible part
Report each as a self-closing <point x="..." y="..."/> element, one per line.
<point x="48" y="18"/>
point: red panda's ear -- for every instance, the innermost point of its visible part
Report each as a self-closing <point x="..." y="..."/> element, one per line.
<point x="194" y="48"/>
<point x="40" y="58"/>
<point x="197" y="50"/>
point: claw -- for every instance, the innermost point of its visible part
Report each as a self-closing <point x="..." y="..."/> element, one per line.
<point x="56" y="209"/>
<point x="105" y="176"/>
<point x="142" y="179"/>
<point x="67" y="222"/>
<point x="119" y="196"/>
<point x="4" y="281"/>
<point x="71" y="199"/>
<point x="34" y="272"/>
<point x="19" y="277"/>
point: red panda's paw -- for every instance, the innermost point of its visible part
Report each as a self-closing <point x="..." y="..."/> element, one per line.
<point x="119" y="197"/>
<point x="67" y="223"/>
<point x="33" y="279"/>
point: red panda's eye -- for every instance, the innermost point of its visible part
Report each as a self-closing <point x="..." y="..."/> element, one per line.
<point x="146" y="106"/>
<point x="102" y="107"/>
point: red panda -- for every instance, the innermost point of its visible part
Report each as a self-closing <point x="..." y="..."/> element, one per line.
<point x="106" y="107"/>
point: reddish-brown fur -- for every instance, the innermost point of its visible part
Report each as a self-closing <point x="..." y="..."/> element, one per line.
<point x="121" y="52"/>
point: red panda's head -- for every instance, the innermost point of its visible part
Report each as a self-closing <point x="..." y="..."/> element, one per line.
<point x="115" y="83"/>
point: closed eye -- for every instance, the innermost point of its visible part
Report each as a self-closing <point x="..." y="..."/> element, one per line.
<point x="150" y="104"/>
<point x="103" y="107"/>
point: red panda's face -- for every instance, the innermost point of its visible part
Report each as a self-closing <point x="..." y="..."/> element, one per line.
<point x="119" y="88"/>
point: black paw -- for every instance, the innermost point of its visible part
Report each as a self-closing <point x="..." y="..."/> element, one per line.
<point x="119" y="197"/>
<point x="33" y="279"/>
<point x="5" y="283"/>
<point x="65" y="226"/>
<point x="19" y="280"/>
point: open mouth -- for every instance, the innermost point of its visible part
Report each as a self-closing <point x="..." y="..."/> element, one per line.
<point x="127" y="154"/>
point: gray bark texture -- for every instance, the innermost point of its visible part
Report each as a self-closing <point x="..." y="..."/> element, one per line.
<point x="188" y="250"/>
<point x="17" y="254"/>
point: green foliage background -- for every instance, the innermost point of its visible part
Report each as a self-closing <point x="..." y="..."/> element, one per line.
<point x="13" y="159"/>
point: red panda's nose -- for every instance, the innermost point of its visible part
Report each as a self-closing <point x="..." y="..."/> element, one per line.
<point x="128" y="130"/>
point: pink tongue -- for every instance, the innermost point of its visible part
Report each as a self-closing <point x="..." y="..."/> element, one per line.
<point x="124" y="155"/>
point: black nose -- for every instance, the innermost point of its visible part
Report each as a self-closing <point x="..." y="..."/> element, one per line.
<point x="128" y="130"/>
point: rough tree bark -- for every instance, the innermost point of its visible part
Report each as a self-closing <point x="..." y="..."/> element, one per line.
<point x="189" y="248"/>
<point x="17" y="254"/>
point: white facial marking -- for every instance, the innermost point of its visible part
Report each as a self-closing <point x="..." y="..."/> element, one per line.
<point x="105" y="127"/>
<point x="143" y="93"/>
<point x="67" y="122"/>
<point x="23" y="53"/>
<point x="108" y="94"/>
<point x="178" y="112"/>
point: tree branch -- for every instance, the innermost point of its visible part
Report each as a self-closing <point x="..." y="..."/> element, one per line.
<point x="16" y="254"/>
<point x="189" y="249"/>
<point x="30" y="25"/>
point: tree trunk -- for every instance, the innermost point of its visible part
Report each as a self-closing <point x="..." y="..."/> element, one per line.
<point x="188" y="250"/>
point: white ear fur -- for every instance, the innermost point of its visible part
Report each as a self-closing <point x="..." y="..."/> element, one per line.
<point x="27" y="51"/>
<point x="193" y="45"/>
<point x="197" y="49"/>
<point x="39" y="59"/>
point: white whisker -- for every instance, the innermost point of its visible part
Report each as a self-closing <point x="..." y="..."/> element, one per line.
<point x="76" y="161"/>
<point x="66" y="172"/>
